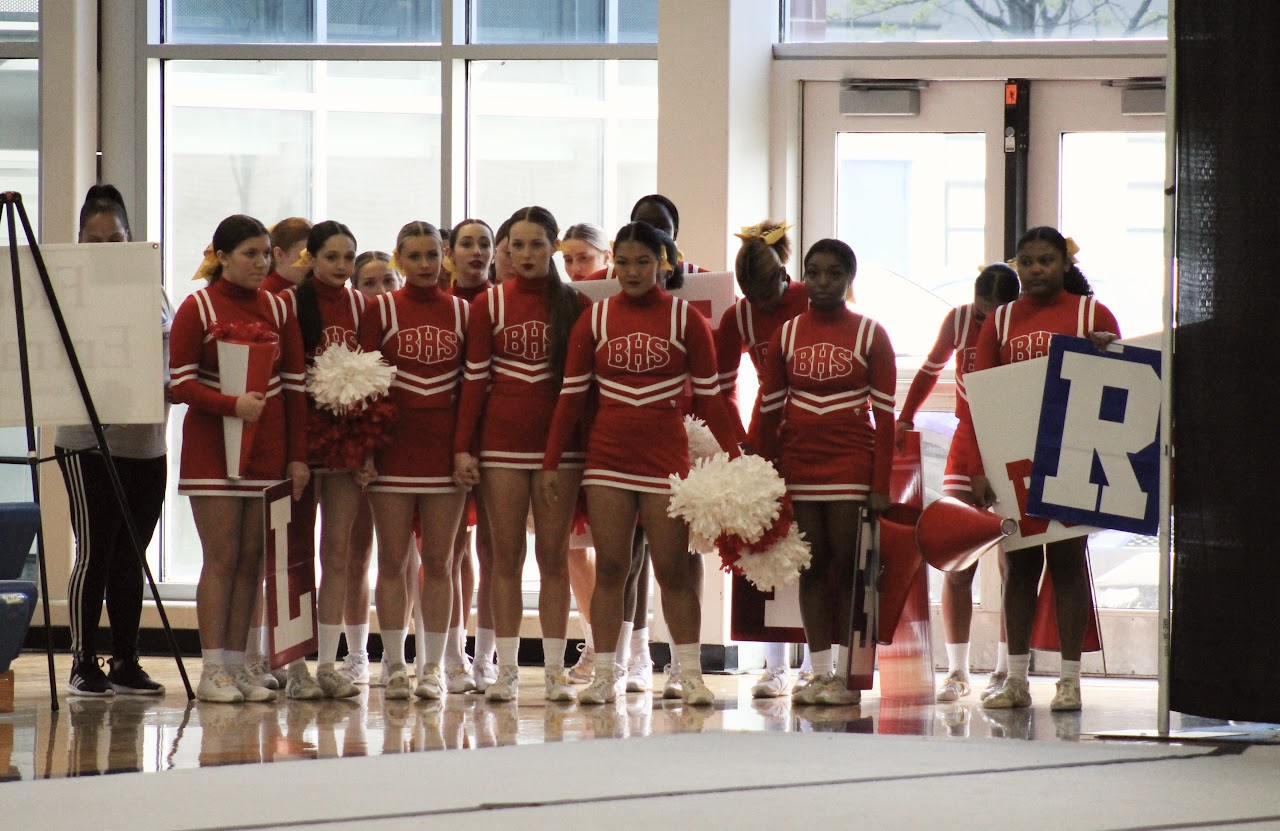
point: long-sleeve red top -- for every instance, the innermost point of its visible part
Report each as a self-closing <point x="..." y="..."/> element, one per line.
<point x="421" y="332"/>
<point x="957" y="336"/>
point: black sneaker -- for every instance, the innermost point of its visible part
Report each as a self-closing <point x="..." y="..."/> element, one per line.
<point x="127" y="677"/>
<point x="87" y="678"/>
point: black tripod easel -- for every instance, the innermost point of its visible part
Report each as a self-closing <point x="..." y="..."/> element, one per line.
<point x="12" y="202"/>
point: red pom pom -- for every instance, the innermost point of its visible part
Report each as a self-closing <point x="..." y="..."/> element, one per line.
<point x="732" y="547"/>
<point x="344" y="442"/>
<point x="257" y="332"/>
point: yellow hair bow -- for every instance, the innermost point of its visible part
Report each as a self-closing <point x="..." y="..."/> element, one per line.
<point x="304" y="260"/>
<point x="664" y="264"/>
<point x="448" y="265"/>
<point x="562" y="247"/>
<point x="770" y="237"/>
<point x="394" y="265"/>
<point x="1072" y="250"/>
<point x="204" y="271"/>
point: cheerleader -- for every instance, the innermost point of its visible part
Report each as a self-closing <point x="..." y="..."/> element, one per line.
<point x="639" y="348"/>
<point x="996" y="285"/>
<point x="517" y="342"/>
<point x="826" y="372"/>
<point x="1056" y="299"/>
<point x="107" y="566"/>
<point x="288" y="241"/>
<point x="420" y="330"/>
<point x="585" y="250"/>
<point x="372" y="275"/>
<point x="329" y="314"/>
<point x="770" y="298"/>
<point x="503" y="267"/>
<point x="469" y="258"/>
<point x="227" y="510"/>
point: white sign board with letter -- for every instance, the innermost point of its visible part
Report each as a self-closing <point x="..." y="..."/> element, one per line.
<point x="709" y="292"/>
<point x="110" y="297"/>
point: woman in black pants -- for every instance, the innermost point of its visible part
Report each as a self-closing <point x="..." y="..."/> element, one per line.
<point x="106" y="563"/>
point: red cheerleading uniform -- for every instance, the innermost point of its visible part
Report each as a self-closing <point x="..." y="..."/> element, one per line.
<point x="825" y="372"/>
<point x="958" y="336"/>
<point x="470" y="293"/>
<point x="640" y="352"/>
<point x="281" y="431"/>
<point x="509" y="393"/>
<point x="744" y="328"/>
<point x="1021" y="331"/>
<point x="420" y="331"/>
<point x="275" y="284"/>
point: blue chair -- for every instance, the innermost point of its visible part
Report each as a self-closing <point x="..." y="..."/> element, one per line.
<point x="19" y="522"/>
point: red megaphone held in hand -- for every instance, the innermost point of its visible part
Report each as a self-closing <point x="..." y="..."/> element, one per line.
<point x="952" y="535"/>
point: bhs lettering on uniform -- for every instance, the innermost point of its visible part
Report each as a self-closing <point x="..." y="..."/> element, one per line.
<point x="428" y="344"/>
<point x="526" y="340"/>
<point x="822" y="361"/>
<point x="638" y="352"/>
<point x="339" y="334"/>
<point x="1097" y="451"/>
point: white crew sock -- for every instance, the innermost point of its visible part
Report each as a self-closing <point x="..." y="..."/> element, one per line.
<point x="256" y="649"/>
<point x="486" y="643"/>
<point x="508" y="652"/>
<point x="639" y="639"/>
<point x="775" y="656"/>
<point x="622" y="651"/>
<point x="432" y="648"/>
<point x="1019" y="666"/>
<point x="232" y="659"/>
<point x="328" y="634"/>
<point x="213" y="656"/>
<point x="588" y="639"/>
<point x="1070" y="670"/>
<point x="453" y="646"/>
<point x="822" y="663"/>
<point x="806" y="664"/>
<point x="840" y="660"/>
<point x="958" y="658"/>
<point x="605" y="664"/>
<point x="553" y="653"/>
<point x="358" y="638"/>
<point x="393" y="647"/>
<point x="689" y="656"/>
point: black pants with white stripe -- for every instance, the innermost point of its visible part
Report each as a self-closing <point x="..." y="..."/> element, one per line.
<point x="106" y="564"/>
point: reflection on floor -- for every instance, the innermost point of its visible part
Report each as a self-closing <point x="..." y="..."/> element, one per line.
<point x="129" y="733"/>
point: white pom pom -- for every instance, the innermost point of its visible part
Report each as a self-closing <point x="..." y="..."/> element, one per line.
<point x="723" y="496"/>
<point x="342" y="379"/>
<point x="702" y="442"/>
<point x="779" y="564"/>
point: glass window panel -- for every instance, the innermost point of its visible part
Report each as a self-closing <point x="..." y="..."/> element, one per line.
<point x="302" y="21"/>
<point x="20" y="20"/>
<point x="912" y="207"/>
<point x="357" y="142"/>
<point x="20" y="132"/>
<point x="568" y="135"/>
<point x="862" y="21"/>
<point x="564" y="21"/>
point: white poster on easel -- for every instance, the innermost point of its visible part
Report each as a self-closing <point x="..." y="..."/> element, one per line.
<point x="110" y="297"/>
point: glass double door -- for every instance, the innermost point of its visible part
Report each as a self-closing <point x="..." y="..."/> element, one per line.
<point x="921" y="201"/>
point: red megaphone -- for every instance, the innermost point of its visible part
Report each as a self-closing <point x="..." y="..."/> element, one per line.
<point x="952" y="535"/>
<point x="899" y="564"/>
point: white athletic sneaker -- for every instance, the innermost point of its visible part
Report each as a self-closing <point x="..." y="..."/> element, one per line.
<point x="806" y="692"/>
<point x="458" y="679"/>
<point x="671" y="684"/>
<point x="398" y="687"/>
<point x="355" y="667"/>
<point x="431" y="685"/>
<point x="484" y="672"/>
<point x="334" y="683"/>
<point x="260" y="675"/>
<point x="694" y="690"/>
<point x="995" y="683"/>
<point x="775" y="683"/>
<point x="639" y="673"/>
<point x="559" y="687"/>
<point x="1067" y="699"/>
<point x="1015" y="694"/>
<point x="506" y="687"/>
<point x="835" y="691"/>
<point x="217" y="686"/>
<point x="248" y="688"/>
<point x="584" y="670"/>
<point x="954" y="687"/>
<point x="384" y="672"/>
<point x="604" y="688"/>
<point x="301" y="685"/>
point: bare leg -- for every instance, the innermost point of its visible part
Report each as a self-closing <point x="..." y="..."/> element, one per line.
<point x="355" y="610"/>
<point x="506" y="496"/>
<point x="613" y="522"/>
<point x="218" y="520"/>
<point x="393" y="518"/>
<point x="551" y="541"/>
<point x="582" y="578"/>
<point x="1023" y="568"/>
<point x="678" y="571"/>
<point x="1068" y="567"/>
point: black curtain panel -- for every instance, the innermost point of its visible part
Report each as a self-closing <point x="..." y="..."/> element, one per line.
<point x="1226" y="585"/>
